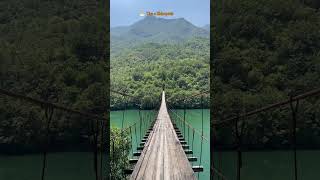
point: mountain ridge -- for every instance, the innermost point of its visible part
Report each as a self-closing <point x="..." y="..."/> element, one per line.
<point x="155" y="30"/>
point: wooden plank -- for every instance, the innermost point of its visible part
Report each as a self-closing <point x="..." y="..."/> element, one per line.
<point x="128" y="171"/>
<point x="188" y="151"/>
<point x="163" y="157"/>
<point x="133" y="161"/>
<point x="197" y="168"/>
<point x="137" y="153"/>
<point x="192" y="159"/>
<point x="140" y="148"/>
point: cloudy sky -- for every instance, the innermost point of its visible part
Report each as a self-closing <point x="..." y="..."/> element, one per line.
<point x="126" y="12"/>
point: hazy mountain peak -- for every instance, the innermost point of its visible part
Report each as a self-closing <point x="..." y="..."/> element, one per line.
<point x="182" y="20"/>
<point x="156" y="29"/>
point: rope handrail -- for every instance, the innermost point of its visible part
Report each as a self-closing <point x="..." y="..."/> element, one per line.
<point x="194" y="113"/>
<point x="271" y="106"/>
<point x="122" y="93"/>
<point x="126" y="128"/>
<point x="219" y="173"/>
<point x="52" y="105"/>
<point x="48" y="114"/>
<point x="181" y="119"/>
<point x="201" y="93"/>
<point x="139" y="105"/>
<point x="194" y="95"/>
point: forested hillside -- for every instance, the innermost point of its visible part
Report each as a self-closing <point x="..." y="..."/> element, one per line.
<point x="53" y="51"/>
<point x="265" y="51"/>
<point x="143" y="69"/>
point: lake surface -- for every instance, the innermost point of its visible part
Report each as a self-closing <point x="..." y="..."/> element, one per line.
<point x="275" y="165"/>
<point x="270" y="165"/>
<point x="60" y="166"/>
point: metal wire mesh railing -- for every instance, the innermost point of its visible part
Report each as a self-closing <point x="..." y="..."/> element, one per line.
<point x="198" y="142"/>
<point x="142" y="121"/>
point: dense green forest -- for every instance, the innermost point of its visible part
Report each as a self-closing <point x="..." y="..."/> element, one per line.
<point x="265" y="51"/>
<point x="143" y="69"/>
<point x="54" y="51"/>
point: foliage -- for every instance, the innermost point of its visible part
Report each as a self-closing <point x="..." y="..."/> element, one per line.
<point x="119" y="153"/>
<point x="143" y="71"/>
<point x="53" y="51"/>
<point x="264" y="52"/>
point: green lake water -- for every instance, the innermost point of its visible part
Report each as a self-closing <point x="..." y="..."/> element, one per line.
<point x="60" y="166"/>
<point x="270" y="165"/>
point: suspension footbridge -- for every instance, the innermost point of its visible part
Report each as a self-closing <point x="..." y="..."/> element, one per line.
<point x="163" y="147"/>
<point x="164" y="153"/>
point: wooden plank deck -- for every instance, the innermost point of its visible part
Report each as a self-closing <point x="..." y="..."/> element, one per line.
<point x="163" y="157"/>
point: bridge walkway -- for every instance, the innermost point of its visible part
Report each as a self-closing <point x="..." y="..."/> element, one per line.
<point x="163" y="156"/>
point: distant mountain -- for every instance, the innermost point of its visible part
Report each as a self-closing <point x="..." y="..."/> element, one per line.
<point x="157" y="30"/>
<point x="206" y="27"/>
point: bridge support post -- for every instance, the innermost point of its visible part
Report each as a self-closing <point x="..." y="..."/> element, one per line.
<point x="239" y="153"/>
<point x="294" y="111"/>
<point x="140" y="122"/>
<point x="48" y="116"/>
<point x="184" y="120"/>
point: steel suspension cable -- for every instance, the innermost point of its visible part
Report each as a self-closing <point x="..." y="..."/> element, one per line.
<point x="201" y="132"/>
<point x="269" y="107"/>
<point x="219" y="173"/>
<point x="123" y="112"/>
<point x="131" y="139"/>
<point x="194" y="95"/>
<point x="192" y="137"/>
<point x="188" y="135"/>
<point x="135" y="132"/>
<point x="42" y="103"/>
<point x="140" y="122"/>
<point x="181" y="119"/>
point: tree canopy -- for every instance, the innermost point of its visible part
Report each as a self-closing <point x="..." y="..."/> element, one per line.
<point x="144" y="70"/>
<point x="54" y="51"/>
<point x="264" y="52"/>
